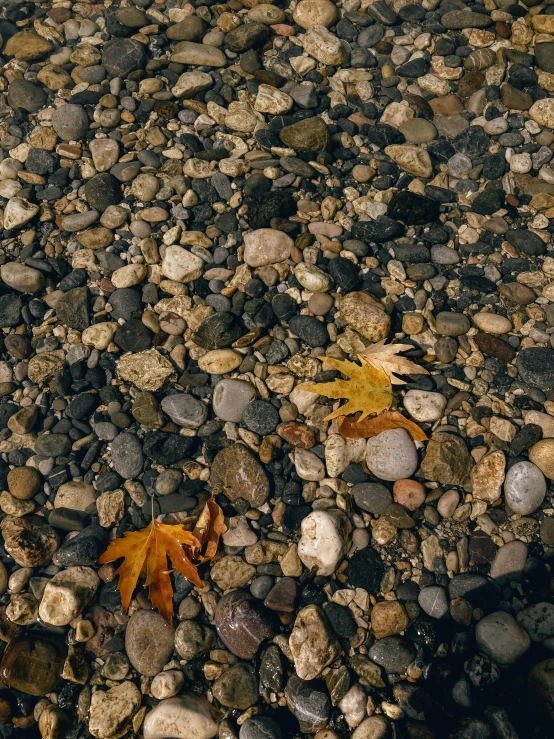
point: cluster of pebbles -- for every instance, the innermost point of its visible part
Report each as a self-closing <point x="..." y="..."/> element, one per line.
<point x="199" y="203"/>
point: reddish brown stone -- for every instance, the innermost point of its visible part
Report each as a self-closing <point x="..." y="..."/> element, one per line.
<point x="282" y="597"/>
<point x="470" y="83"/>
<point x="503" y="30"/>
<point x="242" y="624"/>
<point x="297" y="434"/>
<point x="481" y="548"/>
<point x="494" y="347"/>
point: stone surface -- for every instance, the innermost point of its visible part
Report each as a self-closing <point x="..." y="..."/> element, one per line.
<point x="148" y="642"/>
<point x="524" y="487"/>
<point x="499" y="635"/>
<point x="312" y="643"/>
<point x="391" y="455"/>
<point x="324" y="540"/>
<point x="238" y="474"/>
<point x="184" y="717"/>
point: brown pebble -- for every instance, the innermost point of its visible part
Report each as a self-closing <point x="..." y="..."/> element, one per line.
<point x="495" y="347"/>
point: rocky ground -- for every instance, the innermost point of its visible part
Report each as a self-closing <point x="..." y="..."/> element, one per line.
<point x="201" y="203"/>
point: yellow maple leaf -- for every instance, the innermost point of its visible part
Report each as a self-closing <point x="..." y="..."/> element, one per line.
<point x="385" y="357"/>
<point x="368" y="388"/>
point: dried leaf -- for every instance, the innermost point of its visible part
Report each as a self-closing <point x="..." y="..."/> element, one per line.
<point x="351" y="428"/>
<point x="368" y="388"/>
<point x="385" y="358"/>
<point x="209" y="527"/>
<point x="146" y="552"/>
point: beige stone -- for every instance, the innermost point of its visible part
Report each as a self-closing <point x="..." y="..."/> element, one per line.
<point x="310" y="13"/>
<point x="366" y="314"/>
<point x="411" y="159"/>
<point x="543" y="23"/>
<point x="130" y="275"/>
<point x="324" y="46"/>
<point x="219" y="361"/>
<point x="99" y="335"/>
<point x="271" y="100"/>
<point x="542" y="455"/>
<point x="542" y="112"/>
<point x="147" y="370"/>
<point x="487" y="477"/>
<point x="44" y="366"/>
<point x="388" y="618"/>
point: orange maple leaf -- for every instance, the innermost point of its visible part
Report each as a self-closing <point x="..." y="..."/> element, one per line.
<point x="146" y="552"/>
<point x="351" y="428"/>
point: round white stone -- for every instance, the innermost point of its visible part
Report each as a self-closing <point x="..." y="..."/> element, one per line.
<point x="524" y="488"/>
<point x="424" y="406"/>
<point x="392" y="455"/>
<point x="324" y="540"/>
<point x="186" y="717"/>
<point x="266" y="246"/>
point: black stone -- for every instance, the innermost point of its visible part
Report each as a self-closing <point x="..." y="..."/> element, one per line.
<point x="524" y="439"/>
<point x="218" y="331"/>
<point x="10" y="310"/>
<point x="365" y="570"/>
<point x="384" y="229"/>
<point x="310" y="330"/>
<point x="413" y="68"/>
<point x="82" y="405"/>
<point x="122" y="56"/>
<point x="284" y="306"/>
<point x="393" y="653"/>
<point x="72" y="308"/>
<point x="275" y="204"/>
<point x="381" y="134"/>
<point x="167" y="449"/>
<point x="344" y="273"/>
<point x="133" y="336"/>
<point x="341" y="620"/>
<point x="536" y="367"/>
<point x="526" y="242"/>
<point x="473" y="142"/>
<point x="261" y="417"/>
<point x="413" y="209"/>
<point x="489" y="201"/>
<point x="103" y="190"/>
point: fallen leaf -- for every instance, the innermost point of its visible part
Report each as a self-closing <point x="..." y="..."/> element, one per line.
<point x="385" y="358"/>
<point x="146" y="552"/>
<point x="351" y="428"/>
<point x="368" y="388"/>
<point x="209" y="527"/>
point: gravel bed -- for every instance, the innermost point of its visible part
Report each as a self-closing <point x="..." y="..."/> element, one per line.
<point x="200" y="203"/>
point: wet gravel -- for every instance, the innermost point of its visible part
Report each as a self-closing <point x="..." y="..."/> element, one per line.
<point x="199" y="203"/>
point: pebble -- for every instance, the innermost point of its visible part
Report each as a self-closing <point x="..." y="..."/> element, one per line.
<point x="182" y="717"/>
<point x="312" y="643"/>
<point x="499" y="635"/>
<point x="509" y="562"/>
<point x="241" y="624"/>
<point x="324" y="540"/>
<point x="424" y="406"/>
<point x="111" y="710"/>
<point x="391" y="455"/>
<point x="524" y="487"/>
<point x="67" y="594"/>
<point x="148" y="642"/>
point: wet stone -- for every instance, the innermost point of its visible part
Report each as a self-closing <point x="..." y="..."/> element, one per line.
<point x="242" y="624"/>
